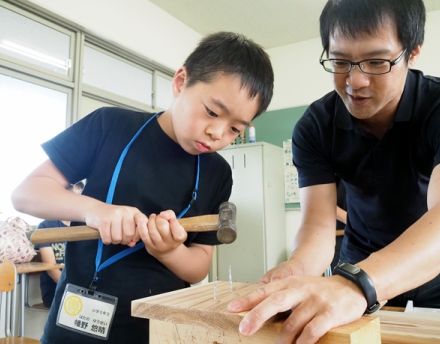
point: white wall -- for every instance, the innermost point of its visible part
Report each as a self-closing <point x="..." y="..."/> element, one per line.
<point x="135" y="24"/>
<point x="429" y="61"/>
<point x="300" y="79"/>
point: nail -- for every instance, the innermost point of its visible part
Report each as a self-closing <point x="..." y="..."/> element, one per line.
<point x="245" y="327"/>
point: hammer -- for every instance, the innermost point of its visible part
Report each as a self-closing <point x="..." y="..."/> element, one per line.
<point x="223" y="223"/>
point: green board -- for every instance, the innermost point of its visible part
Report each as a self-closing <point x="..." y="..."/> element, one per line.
<point x="276" y="126"/>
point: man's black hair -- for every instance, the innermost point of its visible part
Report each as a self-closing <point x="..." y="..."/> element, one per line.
<point x="233" y="53"/>
<point x="354" y="18"/>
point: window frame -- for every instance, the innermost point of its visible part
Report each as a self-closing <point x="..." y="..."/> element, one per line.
<point x="80" y="37"/>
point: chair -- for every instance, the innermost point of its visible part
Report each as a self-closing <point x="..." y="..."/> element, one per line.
<point x="7" y="285"/>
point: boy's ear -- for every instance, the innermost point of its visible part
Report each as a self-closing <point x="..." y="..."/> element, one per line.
<point x="179" y="81"/>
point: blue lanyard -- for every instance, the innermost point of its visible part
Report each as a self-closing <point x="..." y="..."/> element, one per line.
<point x="110" y="193"/>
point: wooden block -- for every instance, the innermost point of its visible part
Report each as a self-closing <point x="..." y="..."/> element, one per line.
<point x="199" y="315"/>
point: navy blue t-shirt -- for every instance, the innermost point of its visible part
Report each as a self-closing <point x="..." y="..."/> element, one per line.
<point x="386" y="179"/>
<point x="157" y="174"/>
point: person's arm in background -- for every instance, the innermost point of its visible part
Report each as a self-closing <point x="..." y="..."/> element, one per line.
<point x="48" y="256"/>
<point x="341" y="215"/>
<point x="315" y="240"/>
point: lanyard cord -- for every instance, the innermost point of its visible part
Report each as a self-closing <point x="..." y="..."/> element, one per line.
<point x="109" y="199"/>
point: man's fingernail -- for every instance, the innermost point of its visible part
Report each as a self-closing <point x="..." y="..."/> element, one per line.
<point x="244" y="327"/>
<point x="233" y="306"/>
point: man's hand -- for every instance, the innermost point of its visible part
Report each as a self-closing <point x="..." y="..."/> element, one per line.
<point x="318" y="304"/>
<point x="117" y="224"/>
<point x="163" y="233"/>
<point x="285" y="269"/>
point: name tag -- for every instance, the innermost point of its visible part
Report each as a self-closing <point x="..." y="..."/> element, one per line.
<point x="86" y="311"/>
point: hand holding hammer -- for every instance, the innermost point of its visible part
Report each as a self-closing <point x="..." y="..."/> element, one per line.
<point x="223" y="223"/>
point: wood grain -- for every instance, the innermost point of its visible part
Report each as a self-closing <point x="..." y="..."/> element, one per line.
<point x="409" y="328"/>
<point x="199" y="315"/>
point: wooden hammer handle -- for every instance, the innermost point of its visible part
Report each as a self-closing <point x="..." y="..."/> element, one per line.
<point x="203" y="223"/>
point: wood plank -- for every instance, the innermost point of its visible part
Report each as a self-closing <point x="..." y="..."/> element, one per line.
<point x="409" y="328"/>
<point x="31" y="267"/>
<point x="18" y="340"/>
<point x="199" y="315"/>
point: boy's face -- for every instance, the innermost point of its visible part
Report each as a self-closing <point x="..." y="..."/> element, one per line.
<point x="370" y="96"/>
<point x="207" y="116"/>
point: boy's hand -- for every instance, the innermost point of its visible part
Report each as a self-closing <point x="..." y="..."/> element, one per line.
<point x="117" y="224"/>
<point x="163" y="234"/>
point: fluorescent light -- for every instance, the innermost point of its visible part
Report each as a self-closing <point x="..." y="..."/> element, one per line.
<point x="36" y="55"/>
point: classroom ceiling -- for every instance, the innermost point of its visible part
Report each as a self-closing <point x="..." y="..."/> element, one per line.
<point x="271" y="23"/>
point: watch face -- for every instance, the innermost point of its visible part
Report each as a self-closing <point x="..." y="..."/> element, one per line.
<point x="353" y="269"/>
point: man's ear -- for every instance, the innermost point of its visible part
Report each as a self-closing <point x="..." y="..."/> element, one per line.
<point x="413" y="57"/>
<point x="179" y="81"/>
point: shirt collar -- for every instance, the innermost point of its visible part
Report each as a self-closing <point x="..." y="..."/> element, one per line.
<point x="405" y="107"/>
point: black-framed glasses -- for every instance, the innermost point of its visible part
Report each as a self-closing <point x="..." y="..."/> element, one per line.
<point x="367" y="66"/>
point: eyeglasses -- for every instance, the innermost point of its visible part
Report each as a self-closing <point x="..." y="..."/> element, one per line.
<point x="367" y="66"/>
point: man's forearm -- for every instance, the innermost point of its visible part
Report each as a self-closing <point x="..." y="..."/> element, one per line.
<point x="314" y="250"/>
<point x="408" y="262"/>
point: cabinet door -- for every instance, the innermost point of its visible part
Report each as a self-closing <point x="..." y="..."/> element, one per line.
<point x="246" y="256"/>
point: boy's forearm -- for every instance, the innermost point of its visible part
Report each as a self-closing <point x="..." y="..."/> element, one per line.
<point x="45" y="198"/>
<point x="191" y="264"/>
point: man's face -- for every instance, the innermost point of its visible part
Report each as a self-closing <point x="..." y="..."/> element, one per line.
<point x="370" y="97"/>
<point x="207" y="116"/>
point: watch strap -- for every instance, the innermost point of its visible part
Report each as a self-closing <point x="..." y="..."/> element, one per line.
<point x="363" y="281"/>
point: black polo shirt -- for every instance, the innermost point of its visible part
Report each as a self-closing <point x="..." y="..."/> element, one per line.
<point x="385" y="179"/>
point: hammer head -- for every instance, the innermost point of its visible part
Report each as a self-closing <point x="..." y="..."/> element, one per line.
<point x="227" y="230"/>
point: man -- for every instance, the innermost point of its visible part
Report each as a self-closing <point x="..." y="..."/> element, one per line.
<point x="379" y="132"/>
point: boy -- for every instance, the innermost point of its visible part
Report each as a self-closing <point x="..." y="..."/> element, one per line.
<point x="142" y="172"/>
<point x="379" y="132"/>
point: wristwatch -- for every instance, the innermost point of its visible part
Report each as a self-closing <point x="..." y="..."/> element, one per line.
<point x="362" y="280"/>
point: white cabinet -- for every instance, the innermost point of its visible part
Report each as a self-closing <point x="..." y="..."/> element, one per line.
<point x="258" y="193"/>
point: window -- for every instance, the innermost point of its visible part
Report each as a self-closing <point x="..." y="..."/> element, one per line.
<point x="31" y="114"/>
<point x="163" y="93"/>
<point x="30" y="42"/>
<point x="52" y="74"/>
<point x="106" y="72"/>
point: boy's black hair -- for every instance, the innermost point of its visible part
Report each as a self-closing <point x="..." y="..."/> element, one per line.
<point x="356" y="17"/>
<point x="233" y="53"/>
